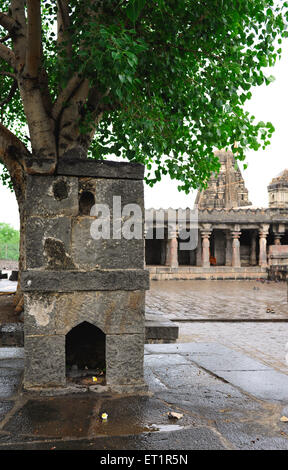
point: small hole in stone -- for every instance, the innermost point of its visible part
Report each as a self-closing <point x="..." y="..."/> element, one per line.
<point x="86" y="202"/>
<point x="60" y="190"/>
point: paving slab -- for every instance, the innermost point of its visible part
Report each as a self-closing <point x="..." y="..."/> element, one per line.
<point x="236" y="368"/>
<point x="215" y="299"/>
<point x="264" y="384"/>
<point x="12" y="353"/>
<point x="165" y="360"/>
<point x="9" y="384"/>
<point x="8" y="286"/>
<point x="192" y="439"/>
<point x="216" y="412"/>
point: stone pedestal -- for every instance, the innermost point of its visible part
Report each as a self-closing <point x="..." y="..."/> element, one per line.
<point x="71" y="277"/>
<point x="236" y="261"/>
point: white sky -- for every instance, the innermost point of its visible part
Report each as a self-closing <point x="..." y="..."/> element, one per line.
<point x="267" y="104"/>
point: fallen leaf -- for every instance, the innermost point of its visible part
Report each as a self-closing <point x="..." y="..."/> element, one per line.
<point x="173" y="415"/>
<point x="284" y="419"/>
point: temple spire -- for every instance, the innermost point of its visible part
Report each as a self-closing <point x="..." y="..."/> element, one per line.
<point x="226" y="189"/>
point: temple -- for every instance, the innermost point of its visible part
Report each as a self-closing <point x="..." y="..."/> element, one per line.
<point x="235" y="239"/>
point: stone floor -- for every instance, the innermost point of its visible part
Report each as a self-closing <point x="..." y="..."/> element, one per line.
<point x="197" y="306"/>
<point x="227" y="401"/>
<point x="215" y="300"/>
<point x="227" y="376"/>
<point x="263" y="341"/>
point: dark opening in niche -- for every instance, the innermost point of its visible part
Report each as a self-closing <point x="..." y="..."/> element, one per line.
<point x="86" y="202"/>
<point x="85" y="354"/>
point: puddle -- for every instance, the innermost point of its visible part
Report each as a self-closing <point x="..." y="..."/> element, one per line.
<point x="165" y="427"/>
<point x="80" y="417"/>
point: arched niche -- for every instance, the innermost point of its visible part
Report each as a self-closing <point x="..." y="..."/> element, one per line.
<point x="85" y="349"/>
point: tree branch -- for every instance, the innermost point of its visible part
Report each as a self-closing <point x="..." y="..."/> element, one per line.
<point x="8" y="74"/>
<point x="5" y="38"/>
<point x="17" y="9"/>
<point x="12" y="155"/>
<point x="33" y="54"/>
<point x="7" y="22"/>
<point x="10" y="94"/>
<point x="11" y="148"/>
<point x="7" y="55"/>
<point x="63" y="24"/>
<point x="73" y="84"/>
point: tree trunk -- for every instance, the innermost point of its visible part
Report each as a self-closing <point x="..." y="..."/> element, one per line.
<point x="19" y="184"/>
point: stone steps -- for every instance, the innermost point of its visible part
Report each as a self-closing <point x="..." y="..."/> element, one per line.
<point x="162" y="273"/>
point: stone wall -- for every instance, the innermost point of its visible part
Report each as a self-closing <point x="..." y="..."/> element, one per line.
<point x="278" y="255"/>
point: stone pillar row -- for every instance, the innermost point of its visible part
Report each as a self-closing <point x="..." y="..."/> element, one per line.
<point x="232" y="254"/>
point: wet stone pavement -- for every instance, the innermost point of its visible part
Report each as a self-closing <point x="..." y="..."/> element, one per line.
<point x="232" y="313"/>
<point x="227" y="375"/>
<point x="228" y="401"/>
<point x="215" y="300"/>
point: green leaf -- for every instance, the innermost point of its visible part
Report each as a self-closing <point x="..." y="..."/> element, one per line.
<point x="134" y="9"/>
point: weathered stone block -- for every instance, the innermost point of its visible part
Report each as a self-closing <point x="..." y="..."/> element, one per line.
<point x="131" y="192"/>
<point x="50" y="196"/>
<point x="45" y="361"/>
<point x="70" y="281"/>
<point x="124" y="359"/>
<point x="100" y="169"/>
<point x="112" y="312"/>
<point x="38" y="230"/>
<point x="88" y="253"/>
<point x="39" y="314"/>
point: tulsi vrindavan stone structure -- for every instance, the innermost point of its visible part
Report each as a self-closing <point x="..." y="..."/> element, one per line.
<point x="84" y="298"/>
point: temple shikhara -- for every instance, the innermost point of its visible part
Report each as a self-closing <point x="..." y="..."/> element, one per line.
<point x="235" y="239"/>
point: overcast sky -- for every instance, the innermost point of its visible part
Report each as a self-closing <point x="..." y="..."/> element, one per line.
<point x="268" y="103"/>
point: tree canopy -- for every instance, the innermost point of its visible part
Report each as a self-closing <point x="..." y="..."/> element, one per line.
<point x="161" y="82"/>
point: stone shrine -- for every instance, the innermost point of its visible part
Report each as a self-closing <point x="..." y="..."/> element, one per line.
<point x="84" y="303"/>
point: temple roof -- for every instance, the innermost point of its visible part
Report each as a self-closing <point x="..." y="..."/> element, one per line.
<point x="227" y="189"/>
<point x="282" y="177"/>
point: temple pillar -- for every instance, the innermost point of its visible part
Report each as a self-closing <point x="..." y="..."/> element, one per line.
<point x="253" y="257"/>
<point x="263" y="232"/>
<point x="228" y="254"/>
<point x="277" y="238"/>
<point x="172" y="251"/>
<point x="278" y="232"/>
<point x="199" y="252"/>
<point x="205" y="235"/>
<point x="236" y="261"/>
